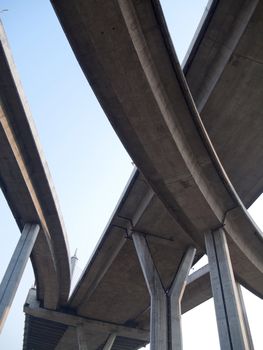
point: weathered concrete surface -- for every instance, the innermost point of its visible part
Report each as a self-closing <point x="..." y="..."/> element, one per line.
<point x="123" y="49"/>
<point x="224" y="73"/>
<point x="125" y="52"/>
<point x="27" y="186"/>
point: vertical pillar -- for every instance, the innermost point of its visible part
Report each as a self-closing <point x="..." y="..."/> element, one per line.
<point x="165" y="328"/>
<point x="16" y="268"/>
<point x="226" y="300"/>
<point x="81" y="337"/>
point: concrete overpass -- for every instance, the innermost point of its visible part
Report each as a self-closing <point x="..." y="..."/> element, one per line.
<point x="204" y="183"/>
<point x="28" y="189"/>
<point x="182" y="193"/>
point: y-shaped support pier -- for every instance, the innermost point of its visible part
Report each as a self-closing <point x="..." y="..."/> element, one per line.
<point x="166" y="331"/>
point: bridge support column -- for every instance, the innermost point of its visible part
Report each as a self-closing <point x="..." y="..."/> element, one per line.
<point x="244" y="313"/>
<point x="230" y="321"/>
<point x="110" y="341"/>
<point x="15" y="269"/>
<point x="165" y="332"/>
<point x="82" y="338"/>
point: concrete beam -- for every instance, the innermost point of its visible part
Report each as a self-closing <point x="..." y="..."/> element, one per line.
<point x="16" y="268"/>
<point x="230" y="323"/>
<point x="112" y="245"/>
<point x="32" y="308"/>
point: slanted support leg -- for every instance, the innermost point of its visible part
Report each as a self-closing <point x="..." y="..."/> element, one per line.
<point x="165" y="304"/>
<point x="245" y="319"/>
<point x="230" y="323"/>
<point x="16" y="268"/>
<point x="175" y="295"/>
<point x="110" y="341"/>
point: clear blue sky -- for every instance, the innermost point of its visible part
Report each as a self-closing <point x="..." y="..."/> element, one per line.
<point x="88" y="164"/>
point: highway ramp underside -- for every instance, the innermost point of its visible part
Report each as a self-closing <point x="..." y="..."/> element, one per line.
<point x="183" y="190"/>
<point x="27" y="186"/>
<point x="126" y="53"/>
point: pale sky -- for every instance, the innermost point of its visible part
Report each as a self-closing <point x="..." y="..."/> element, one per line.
<point x="87" y="162"/>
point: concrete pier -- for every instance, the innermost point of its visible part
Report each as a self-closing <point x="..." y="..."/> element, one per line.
<point x="165" y="320"/>
<point x="230" y="322"/>
<point x="15" y="269"/>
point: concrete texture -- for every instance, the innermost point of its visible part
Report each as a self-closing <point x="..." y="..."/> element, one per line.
<point x="150" y="107"/>
<point x="182" y="190"/>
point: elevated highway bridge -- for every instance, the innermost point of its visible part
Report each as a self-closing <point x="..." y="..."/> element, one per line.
<point x="195" y="136"/>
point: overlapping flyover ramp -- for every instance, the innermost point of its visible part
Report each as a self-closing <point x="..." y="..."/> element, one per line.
<point x="189" y="184"/>
<point x="27" y="186"/>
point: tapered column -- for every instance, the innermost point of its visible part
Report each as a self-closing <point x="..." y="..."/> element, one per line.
<point x="15" y="269"/>
<point x="230" y="323"/>
<point x="165" y="329"/>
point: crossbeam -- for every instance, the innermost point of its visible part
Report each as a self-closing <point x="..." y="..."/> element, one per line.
<point x="32" y="308"/>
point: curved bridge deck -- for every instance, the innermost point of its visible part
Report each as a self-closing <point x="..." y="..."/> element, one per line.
<point x="126" y="53"/>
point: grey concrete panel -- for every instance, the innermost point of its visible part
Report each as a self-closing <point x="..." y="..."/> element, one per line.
<point x="237" y="90"/>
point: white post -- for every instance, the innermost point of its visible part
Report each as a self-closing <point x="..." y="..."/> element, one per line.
<point x="16" y="268"/>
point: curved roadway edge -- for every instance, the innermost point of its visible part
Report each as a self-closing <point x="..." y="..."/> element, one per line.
<point x="27" y="186"/>
<point x="224" y="73"/>
<point x="122" y="50"/>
